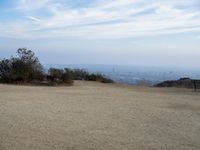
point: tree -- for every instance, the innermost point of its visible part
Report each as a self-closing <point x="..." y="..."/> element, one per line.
<point x="80" y="74"/>
<point x="68" y="75"/>
<point x="56" y="74"/>
<point x="25" y="67"/>
<point x="30" y="65"/>
<point x="5" y="70"/>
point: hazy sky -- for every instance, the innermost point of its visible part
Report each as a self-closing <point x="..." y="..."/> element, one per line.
<point x="126" y="32"/>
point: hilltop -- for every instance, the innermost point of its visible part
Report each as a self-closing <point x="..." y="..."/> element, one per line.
<point x="181" y="83"/>
<point x="92" y="115"/>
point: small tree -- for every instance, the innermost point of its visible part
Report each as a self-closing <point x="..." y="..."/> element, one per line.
<point x="25" y="67"/>
<point x="5" y="70"/>
<point x="30" y="65"/>
<point x="68" y="75"/>
<point x="80" y="74"/>
<point x="56" y="74"/>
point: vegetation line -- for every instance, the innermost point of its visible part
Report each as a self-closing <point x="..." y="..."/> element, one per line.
<point x="26" y="68"/>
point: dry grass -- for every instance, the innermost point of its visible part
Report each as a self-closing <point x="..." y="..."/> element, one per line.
<point x="91" y="116"/>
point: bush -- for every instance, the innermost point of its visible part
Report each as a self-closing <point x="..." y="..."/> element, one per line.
<point x="80" y="74"/>
<point x="56" y="74"/>
<point x="67" y="75"/>
<point x="100" y="78"/>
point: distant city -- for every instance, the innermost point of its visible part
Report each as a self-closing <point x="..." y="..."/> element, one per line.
<point x="136" y="75"/>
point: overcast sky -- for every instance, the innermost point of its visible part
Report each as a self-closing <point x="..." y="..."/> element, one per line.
<point x="123" y="32"/>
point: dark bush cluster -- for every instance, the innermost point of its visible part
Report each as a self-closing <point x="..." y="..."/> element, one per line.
<point x="99" y="77"/>
<point x="26" y="68"/>
<point x="66" y="75"/>
<point x="59" y="76"/>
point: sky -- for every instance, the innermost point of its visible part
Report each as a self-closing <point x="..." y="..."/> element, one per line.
<point x="115" y="32"/>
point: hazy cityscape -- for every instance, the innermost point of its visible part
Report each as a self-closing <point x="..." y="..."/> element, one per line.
<point x="136" y="75"/>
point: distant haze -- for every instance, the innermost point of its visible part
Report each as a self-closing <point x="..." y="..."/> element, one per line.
<point x="135" y="74"/>
<point x="162" y="33"/>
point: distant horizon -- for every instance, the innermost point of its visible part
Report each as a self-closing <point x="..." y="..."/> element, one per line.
<point x="133" y="74"/>
<point x="127" y="66"/>
<point x="7" y="55"/>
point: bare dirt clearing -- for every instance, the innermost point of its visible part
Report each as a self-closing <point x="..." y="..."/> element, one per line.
<point x="98" y="116"/>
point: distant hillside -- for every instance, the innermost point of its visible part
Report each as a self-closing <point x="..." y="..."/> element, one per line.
<point x="181" y="83"/>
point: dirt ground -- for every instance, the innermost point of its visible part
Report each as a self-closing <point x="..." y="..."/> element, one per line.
<point x="95" y="116"/>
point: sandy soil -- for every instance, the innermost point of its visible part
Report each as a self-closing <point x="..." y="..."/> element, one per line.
<point x="95" y="116"/>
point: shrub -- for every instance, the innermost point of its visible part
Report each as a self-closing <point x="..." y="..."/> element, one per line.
<point x="80" y="74"/>
<point x="100" y="78"/>
<point x="56" y="74"/>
